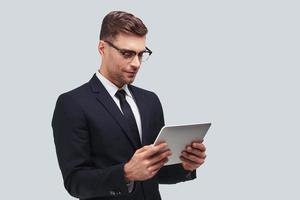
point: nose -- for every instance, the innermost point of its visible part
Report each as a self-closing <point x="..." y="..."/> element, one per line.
<point x="136" y="61"/>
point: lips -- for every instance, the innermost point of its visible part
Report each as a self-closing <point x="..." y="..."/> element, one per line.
<point x="132" y="73"/>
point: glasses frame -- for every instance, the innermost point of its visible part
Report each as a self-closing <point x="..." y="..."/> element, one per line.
<point x="133" y="53"/>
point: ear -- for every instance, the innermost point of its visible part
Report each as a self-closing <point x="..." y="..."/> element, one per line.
<point x="101" y="47"/>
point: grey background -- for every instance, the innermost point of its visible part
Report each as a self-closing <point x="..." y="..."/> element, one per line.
<point x="233" y="63"/>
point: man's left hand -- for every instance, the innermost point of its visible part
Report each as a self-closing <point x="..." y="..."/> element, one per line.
<point x="193" y="156"/>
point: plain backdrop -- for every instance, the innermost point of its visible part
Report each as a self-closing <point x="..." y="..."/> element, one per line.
<point x="232" y="63"/>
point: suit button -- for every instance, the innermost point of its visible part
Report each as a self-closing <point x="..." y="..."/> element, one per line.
<point x="112" y="193"/>
<point x="189" y="175"/>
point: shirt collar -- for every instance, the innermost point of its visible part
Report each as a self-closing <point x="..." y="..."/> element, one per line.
<point x="110" y="87"/>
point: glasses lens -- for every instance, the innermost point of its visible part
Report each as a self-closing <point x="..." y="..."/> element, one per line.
<point x="144" y="56"/>
<point x="127" y="54"/>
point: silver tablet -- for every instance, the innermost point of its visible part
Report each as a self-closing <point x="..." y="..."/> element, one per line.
<point x="178" y="136"/>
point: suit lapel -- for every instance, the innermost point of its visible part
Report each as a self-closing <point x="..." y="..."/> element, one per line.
<point x="108" y="103"/>
<point x="143" y="110"/>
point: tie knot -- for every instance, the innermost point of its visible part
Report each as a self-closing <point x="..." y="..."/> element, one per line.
<point x="120" y="94"/>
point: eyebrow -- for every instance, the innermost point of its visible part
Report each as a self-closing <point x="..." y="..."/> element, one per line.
<point x="134" y="50"/>
<point x="128" y="50"/>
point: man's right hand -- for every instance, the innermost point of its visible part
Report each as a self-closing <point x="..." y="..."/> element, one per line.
<point x="146" y="162"/>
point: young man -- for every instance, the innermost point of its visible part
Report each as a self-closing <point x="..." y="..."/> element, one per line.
<point x="103" y="130"/>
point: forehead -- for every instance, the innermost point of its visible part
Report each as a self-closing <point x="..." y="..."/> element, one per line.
<point x="130" y="41"/>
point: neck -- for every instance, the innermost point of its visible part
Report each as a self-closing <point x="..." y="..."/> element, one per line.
<point x="104" y="73"/>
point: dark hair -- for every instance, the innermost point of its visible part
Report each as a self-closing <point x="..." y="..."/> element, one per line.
<point x="116" y="22"/>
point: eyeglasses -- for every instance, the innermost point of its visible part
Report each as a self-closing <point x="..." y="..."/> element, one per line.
<point x="130" y="54"/>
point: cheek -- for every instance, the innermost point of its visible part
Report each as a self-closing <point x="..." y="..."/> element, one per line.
<point x="117" y="68"/>
<point x="113" y="64"/>
<point x="120" y="66"/>
<point x="116" y="65"/>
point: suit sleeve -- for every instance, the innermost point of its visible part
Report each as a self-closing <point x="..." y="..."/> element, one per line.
<point x="71" y="136"/>
<point x="172" y="174"/>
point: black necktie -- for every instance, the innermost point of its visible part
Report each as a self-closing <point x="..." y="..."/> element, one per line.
<point x="128" y="115"/>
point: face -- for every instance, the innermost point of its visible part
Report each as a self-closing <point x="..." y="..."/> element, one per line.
<point x="115" y="67"/>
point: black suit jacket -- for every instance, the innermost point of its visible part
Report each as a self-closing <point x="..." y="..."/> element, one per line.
<point x="93" y="144"/>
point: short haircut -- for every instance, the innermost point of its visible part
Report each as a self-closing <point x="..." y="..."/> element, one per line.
<point x="117" y="22"/>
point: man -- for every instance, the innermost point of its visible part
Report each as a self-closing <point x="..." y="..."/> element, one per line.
<point x="103" y="130"/>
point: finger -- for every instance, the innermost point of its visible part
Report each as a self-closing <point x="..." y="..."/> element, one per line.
<point x="154" y="172"/>
<point x="192" y="158"/>
<point x="160" y="156"/>
<point x="144" y="148"/>
<point x="196" y="152"/>
<point x="187" y="165"/>
<point x="160" y="146"/>
<point x="197" y="141"/>
<point x="154" y="149"/>
<point x="199" y="146"/>
<point x="160" y="142"/>
<point x="156" y="166"/>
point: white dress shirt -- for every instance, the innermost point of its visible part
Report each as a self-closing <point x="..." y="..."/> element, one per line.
<point x="112" y="89"/>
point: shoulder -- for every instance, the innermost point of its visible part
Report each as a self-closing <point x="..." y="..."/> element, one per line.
<point x="74" y="99"/>
<point x="76" y="94"/>
<point x="69" y="107"/>
<point x="144" y="92"/>
<point x="148" y="97"/>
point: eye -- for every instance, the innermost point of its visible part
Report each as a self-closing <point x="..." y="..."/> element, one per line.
<point x="128" y="54"/>
<point x="141" y="54"/>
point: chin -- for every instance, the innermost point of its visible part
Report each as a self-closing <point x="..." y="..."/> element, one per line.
<point x="129" y="81"/>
